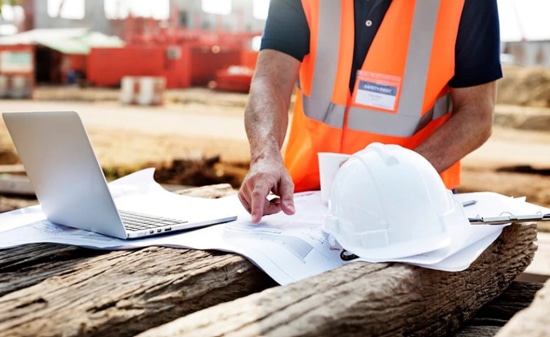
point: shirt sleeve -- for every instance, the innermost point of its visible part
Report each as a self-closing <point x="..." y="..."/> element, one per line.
<point x="477" y="54"/>
<point x="286" y="29"/>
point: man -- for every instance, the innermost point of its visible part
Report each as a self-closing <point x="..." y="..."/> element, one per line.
<point x="366" y="71"/>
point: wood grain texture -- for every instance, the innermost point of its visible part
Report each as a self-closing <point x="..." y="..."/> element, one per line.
<point x="361" y="299"/>
<point x="118" y="293"/>
<point x="495" y="314"/>
<point x="56" y="290"/>
<point x="533" y="321"/>
<point x="518" y="296"/>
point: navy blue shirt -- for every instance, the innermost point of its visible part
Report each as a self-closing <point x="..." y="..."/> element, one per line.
<point x="477" y="51"/>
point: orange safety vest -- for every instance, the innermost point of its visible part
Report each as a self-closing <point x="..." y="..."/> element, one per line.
<point x="401" y="94"/>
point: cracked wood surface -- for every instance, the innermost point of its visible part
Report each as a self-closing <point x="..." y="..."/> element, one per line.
<point x="362" y="299"/>
<point x="494" y="315"/>
<point x="120" y="293"/>
<point x="55" y="290"/>
<point x="533" y="321"/>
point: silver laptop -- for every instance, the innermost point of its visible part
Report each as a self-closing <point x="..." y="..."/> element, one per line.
<point x="69" y="183"/>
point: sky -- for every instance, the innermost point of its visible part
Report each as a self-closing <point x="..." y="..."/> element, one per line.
<point x="524" y="19"/>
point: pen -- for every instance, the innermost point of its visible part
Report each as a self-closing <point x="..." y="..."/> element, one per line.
<point x="468" y="203"/>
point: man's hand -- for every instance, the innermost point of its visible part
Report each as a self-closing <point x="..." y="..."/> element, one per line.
<point x="264" y="177"/>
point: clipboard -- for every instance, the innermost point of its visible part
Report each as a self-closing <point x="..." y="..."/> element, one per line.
<point x="509" y="218"/>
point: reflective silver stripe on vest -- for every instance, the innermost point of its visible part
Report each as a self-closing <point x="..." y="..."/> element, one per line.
<point x="319" y="105"/>
<point x="400" y="125"/>
<point x="409" y="118"/>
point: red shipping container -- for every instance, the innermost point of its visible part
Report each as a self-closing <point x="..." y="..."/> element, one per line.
<point x="206" y="60"/>
<point x="107" y="66"/>
<point x="249" y="58"/>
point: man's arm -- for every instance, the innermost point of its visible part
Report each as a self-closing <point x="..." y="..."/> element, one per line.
<point x="473" y="87"/>
<point x="466" y="130"/>
<point x="266" y="122"/>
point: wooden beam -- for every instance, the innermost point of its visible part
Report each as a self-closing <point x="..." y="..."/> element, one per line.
<point x="54" y="290"/>
<point x="363" y="299"/>
<point x="533" y="321"/>
<point x="539" y="270"/>
<point x="495" y="314"/>
<point x="48" y="289"/>
<point x="51" y="290"/>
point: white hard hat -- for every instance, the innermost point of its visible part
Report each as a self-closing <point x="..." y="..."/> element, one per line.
<point x="388" y="202"/>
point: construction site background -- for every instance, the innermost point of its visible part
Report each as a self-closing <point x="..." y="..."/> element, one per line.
<point x="521" y="86"/>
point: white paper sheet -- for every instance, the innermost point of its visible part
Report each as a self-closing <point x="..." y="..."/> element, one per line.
<point x="288" y="248"/>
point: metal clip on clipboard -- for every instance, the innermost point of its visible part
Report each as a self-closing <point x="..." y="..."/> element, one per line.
<point x="509" y="218"/>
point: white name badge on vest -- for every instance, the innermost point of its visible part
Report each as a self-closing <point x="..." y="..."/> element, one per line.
<point x="377" y="90"/>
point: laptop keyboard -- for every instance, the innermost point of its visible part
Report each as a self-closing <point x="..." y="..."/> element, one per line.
<point x="139" y="222"/>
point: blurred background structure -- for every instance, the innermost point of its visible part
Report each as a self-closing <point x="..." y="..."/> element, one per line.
<point x="93" y="55"/>
<point x="525" y="32"/>
<point x="183" y="43"/>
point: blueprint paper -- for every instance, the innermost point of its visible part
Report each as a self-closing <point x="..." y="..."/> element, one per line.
<point x="463" y="235"/>
<point x="288" y="248"/>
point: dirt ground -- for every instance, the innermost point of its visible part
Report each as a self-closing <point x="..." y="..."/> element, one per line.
<point x="515" y="162"/>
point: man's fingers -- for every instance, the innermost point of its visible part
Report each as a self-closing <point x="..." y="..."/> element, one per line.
<point x="242" y="198"/>
<point x="255" y="191"/>
<point x="288" y="206"/>
<point x="272" y="206"/>
<point x="258" y="202"/>
<point x="286" y="193"/>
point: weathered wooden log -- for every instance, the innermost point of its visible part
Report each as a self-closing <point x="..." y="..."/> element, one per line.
<point x="362" y="299"/>
<point x="539" y="270"/>
<point x="495" y="314"/>
<point x="48" y="290"/>
<point x="52" y="290"/>
<point x="533" y="321"/>
<point x="518" y="296"/>
<point x="55" y="290"/>
<point x="478" y="331"/>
